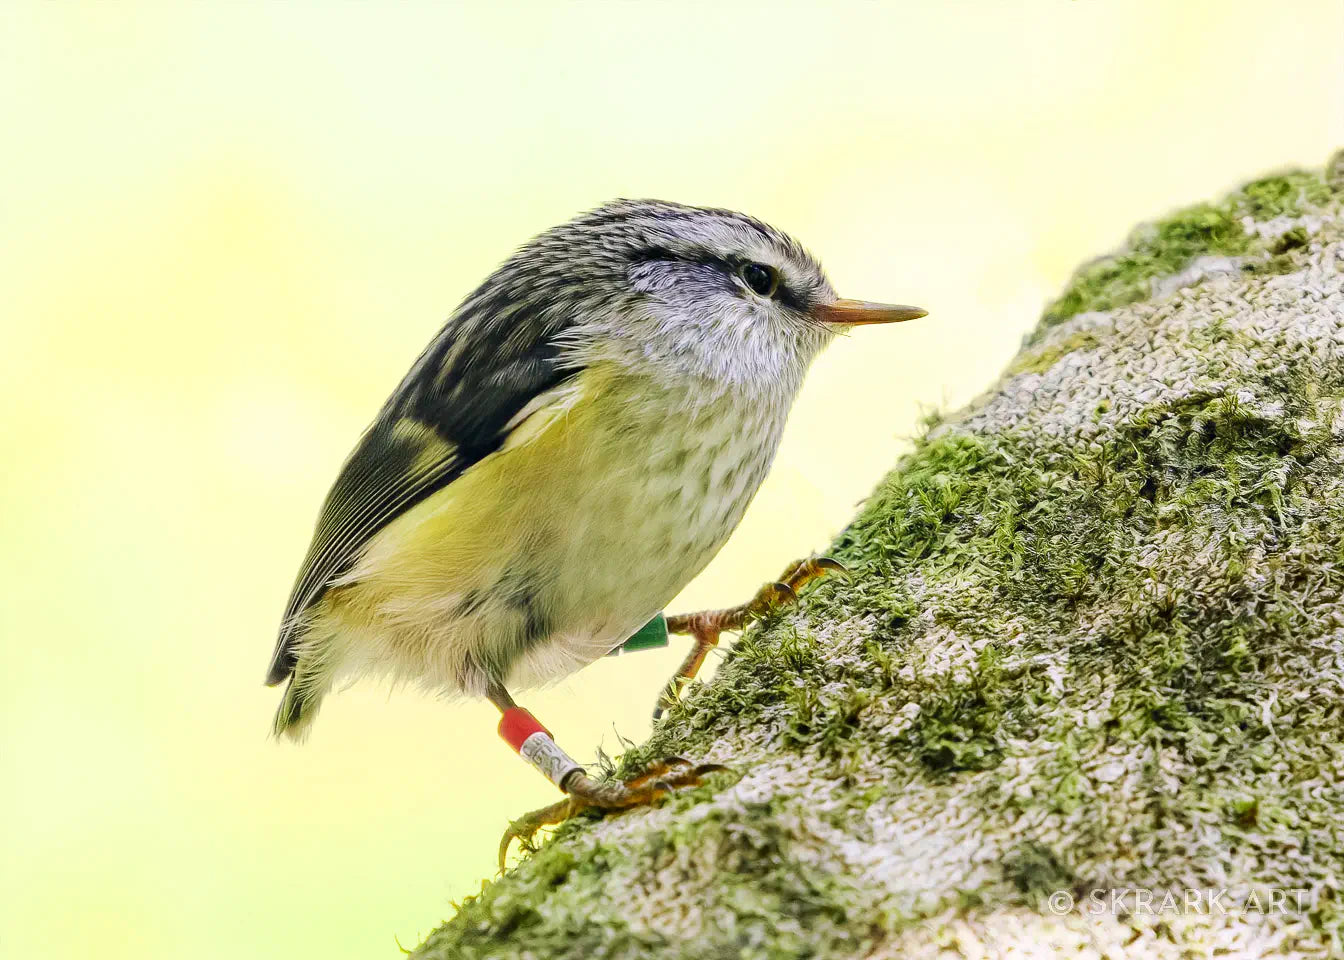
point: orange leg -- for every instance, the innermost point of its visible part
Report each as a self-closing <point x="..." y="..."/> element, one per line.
<point x="706" y="625"/>
<point x="534" y="743"/>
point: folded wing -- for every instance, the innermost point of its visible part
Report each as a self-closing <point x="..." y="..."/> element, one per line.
<point x="458" y="404"/>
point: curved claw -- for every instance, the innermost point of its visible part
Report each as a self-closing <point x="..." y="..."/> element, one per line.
<point x="831" y="564"/>
<point x="670" y="766"/>
<point x="772" y="597"/>
<point x="525" y="827"/>
<point x="661" y="779"/>
<point x="813" y="568"/>
<point x="507" y="840"/>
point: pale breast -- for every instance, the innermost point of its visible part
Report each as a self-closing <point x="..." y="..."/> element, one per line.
<point x="544" y="556"/>
<point x="670" y="490"/>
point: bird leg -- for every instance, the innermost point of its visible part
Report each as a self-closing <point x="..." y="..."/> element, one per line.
<point x="706" y="625"/>
<point x="535" y="744"/>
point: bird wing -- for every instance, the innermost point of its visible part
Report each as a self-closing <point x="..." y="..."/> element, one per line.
<point x="475" y="384"/>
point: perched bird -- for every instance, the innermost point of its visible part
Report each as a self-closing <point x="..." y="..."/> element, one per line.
<point x="575" y="445"/>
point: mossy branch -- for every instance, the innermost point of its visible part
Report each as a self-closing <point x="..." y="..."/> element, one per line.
<point x="1094" y="640"/>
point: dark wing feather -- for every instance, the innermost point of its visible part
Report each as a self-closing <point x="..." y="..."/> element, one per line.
<point x="453" y="409"/>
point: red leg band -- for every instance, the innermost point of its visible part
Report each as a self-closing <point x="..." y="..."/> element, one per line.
<point x="516" y="725"/>
<point x="534" y="743"/>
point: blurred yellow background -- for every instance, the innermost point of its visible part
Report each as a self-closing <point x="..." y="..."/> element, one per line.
<point x="228" y="230"/>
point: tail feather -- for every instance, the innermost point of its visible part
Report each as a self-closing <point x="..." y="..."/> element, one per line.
<point x="297" y="710"/>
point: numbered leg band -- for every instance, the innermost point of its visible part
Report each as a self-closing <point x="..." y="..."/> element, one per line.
<point x="534" y="743"/>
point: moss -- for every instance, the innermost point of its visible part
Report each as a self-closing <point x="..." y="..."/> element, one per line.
<point x="916" y="508"/>
<point x="1039" y="361"/>
<point x="1289" y="240"/>
<point x="784" y="907"/>
<point x="761" y="670"/>
<point x="502" y="913"/>
<point x="1168" y="246"/>
<point x="1155" y="251"/>
<point x="1091" y="651"/>
<point x="1334" y="172"/>
<point x="959" y="729"/>
<point x="1284" y="195"/>
<point x="1037" y="871"/>
<point x="827" y="723"/>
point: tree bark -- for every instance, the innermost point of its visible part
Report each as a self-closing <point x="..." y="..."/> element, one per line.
<point x="1084" y="692"/>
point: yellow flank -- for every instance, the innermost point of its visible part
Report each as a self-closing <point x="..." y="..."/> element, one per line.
<point x="559" y="402"/>
<point x="402" y="603"/>
<point x="451" y="536"/>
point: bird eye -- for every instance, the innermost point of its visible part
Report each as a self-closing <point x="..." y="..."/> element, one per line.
<point x="763" y="280"/>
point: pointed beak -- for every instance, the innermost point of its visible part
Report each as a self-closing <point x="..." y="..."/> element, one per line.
<point x="852" y="313"/>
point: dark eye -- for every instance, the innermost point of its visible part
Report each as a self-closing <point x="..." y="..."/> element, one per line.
<point x="763" y="280"/>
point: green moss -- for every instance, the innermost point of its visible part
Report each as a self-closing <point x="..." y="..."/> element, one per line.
<point x="506" y="912"/>
<point x="1039" y="361"/>
<point x="1023" y="604"/>
<point x="827" y="723"/>
<point x="1284" y="195"/>
<point x="1334" y="172"/>
<point x="1289" y="240"/>
<point x="762" y="669"/>
<point x="783" y="906"/>
<point x="1159" y="250"/>
<point x="916" y="508"/>
<point x="1168" y="246"/>
<point x="1037" y="871"/>
<point x="959" y="729"/>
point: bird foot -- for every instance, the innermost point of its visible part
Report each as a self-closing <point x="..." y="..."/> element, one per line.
<point x="706" y="625"/>
<point x="660" y="779"/>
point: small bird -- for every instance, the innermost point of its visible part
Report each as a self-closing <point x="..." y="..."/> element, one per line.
<point x="571" y="449"/>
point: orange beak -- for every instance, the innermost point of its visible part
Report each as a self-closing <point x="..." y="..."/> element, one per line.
<point x="852" y="313"/>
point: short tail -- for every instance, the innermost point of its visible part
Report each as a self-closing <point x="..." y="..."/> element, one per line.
<point x="297" y="710"/>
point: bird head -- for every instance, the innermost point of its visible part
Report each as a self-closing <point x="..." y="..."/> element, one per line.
<point x="683" y="292"/>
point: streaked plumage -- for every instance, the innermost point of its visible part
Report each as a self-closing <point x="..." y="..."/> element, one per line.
<point x="572" y="448"/>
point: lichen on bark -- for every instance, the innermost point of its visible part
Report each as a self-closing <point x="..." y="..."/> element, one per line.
<point x="1093" y="640"/>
